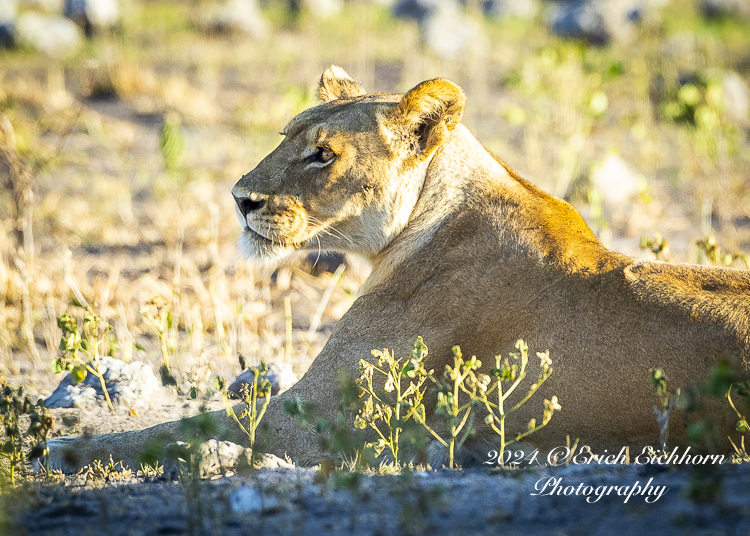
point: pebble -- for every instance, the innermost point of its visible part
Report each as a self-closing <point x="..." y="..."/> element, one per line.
<point x="280" y="375"/>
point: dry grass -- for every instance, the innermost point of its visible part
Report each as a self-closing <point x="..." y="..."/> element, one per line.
<point x="109" y="215"/>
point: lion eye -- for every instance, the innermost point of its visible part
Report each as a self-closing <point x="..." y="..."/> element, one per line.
<point x="322" y="156"/>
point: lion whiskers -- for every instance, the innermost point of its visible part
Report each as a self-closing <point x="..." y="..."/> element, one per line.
<point x="328" y="229"/>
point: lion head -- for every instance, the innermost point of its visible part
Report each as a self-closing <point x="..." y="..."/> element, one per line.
<point x="348" y="172"/>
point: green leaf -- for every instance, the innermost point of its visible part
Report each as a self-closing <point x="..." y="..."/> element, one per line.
<point x="219" y="383"/>
<point x="742" y="426"/>
<point x="167" y="378"/>
<point x="78" y="374"/>
<point x="293" y="407"/>
<point x="58" y="366"/>
<point x="321" y="426"/>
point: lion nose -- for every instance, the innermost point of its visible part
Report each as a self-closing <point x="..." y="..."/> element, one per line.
<point x="250" y="203"/>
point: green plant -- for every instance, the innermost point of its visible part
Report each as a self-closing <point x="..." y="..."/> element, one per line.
<point x="667" y="401"/>
<point x="388" y="417"/>
<point x="657" y="245"/>
<point x="417" y="502"/>
<point x="151" y="472"/>
<point x="741" y="425"/>
<point x="347" y="453"/>
<point x="449" y="406"/>
<point x="158" y="315"/>
<point x="171" y="141"/>
<point x="705" y="431"/>
<point x="13" y="405"/>
<point x="80" y="354"/>
<point x="97" y="471"/>
<point x="710" y="249"/>
<point x="512" y="373"/>
<point x="260" y="388"/>
<point x="697" y="102"/>
<point x="188" y="457"/>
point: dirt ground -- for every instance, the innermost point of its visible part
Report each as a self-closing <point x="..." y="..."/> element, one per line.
<point x="480" y="501"/>
<point x="445" y="502"/>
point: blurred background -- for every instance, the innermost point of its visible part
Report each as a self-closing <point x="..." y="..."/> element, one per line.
<point x="124" y="125"/>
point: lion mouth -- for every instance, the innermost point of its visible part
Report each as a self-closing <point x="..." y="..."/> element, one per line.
<point x="256" y="235"/>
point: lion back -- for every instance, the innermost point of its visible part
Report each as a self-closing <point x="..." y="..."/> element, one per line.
<point x="706" y="295"/>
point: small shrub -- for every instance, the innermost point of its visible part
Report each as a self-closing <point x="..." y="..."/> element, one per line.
<point x="462" y="380"/>
<point x="250" y="393"/>
<point x="668" y="403"/>
<point x="389" y="417"/>
<point x="705" y="434"/>
<point x="710" y="249"/>
<point x="159" y="316"/>
<point x="80" y="354"/>
<point x="13" y="404"/>
<point x="513" y="373"/>
<point x="698" y="102"/>
<point x="741" y="426"/>
<point x="171" y="141"/>
<point x="657" y="245"/>
<point x="418" y="501"/>
<point x="97" y="471"/>
<point x="456" y="415"/>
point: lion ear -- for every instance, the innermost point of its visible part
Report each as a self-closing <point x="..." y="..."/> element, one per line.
<point x="430" y="110"/>
<point x="335" y="83"/>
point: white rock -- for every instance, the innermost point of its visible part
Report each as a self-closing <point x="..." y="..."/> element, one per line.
<point x="323" y="9"/>
<point x="55" y="36"/>
<point x="599" y="21"/>
<point x="270" y="461"/>
<point x="7" y="23"/>
<point x="93" y="15"/>
<point x="218" y="456"/>
<point x="616" y="181"/>
<point x="447" y="31"/>
<point x="443" y="26"/>
<point x="736" y="98"/>
<point x="522" y="9"/>
<point x="131" y="385"/>
<point x="242" y="16"/>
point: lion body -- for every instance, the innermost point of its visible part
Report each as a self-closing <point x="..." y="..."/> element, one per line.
<point x="465" y="252"/>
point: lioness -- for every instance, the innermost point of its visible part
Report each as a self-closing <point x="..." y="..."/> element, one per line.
<point x="465" y="252"/>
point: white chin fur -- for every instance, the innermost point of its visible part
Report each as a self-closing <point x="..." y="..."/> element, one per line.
<point x="261" y="251"/>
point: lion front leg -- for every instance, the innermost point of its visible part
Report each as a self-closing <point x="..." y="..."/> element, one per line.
<point x="69" y="454"/>
<point x="280" y="436"/>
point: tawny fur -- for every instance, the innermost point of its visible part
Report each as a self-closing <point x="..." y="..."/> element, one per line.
<point x="466" y="252"/>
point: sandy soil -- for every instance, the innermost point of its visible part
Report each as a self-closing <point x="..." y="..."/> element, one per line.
<point x="472" y="501"/>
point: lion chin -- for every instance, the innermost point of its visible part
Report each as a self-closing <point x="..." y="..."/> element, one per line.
<point x="260" y="250"/>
